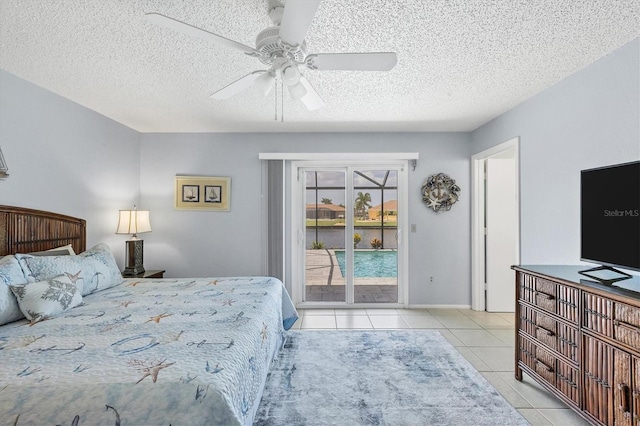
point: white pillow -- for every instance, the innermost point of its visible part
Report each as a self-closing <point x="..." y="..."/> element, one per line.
<point x="92" y="270"/>
<point x="44" y="299"/>
<point x="57" y="251"/>
<point x="10" y="273"/>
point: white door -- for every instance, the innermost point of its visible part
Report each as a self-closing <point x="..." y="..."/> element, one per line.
<point x="501" y="234"/>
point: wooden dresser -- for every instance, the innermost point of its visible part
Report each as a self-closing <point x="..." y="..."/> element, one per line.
<point x="580" y="340"/>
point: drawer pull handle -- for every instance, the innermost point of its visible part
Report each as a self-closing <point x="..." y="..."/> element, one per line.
<point x="626" y="325"/>
<point x="544" y="366"/>
<point x="545" y="331"/>
<point x="623" y="396"/>
<point x="545" y="295"/>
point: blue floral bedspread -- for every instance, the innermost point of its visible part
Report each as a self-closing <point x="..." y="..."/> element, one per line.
<point x="147" y="352"/>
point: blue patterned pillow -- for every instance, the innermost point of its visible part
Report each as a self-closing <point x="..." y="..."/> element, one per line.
<point x="45" y="299"/>
<point x="91" y="271"/>
<point x="10" y="273"/>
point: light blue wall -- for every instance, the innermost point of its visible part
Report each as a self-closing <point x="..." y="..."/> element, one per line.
<point x="67" y="159"/>
<point x="192" y="243"/>
<point x="590" y="119"/>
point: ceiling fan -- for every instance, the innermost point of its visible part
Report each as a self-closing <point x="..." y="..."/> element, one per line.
<point x="283" y="50"/>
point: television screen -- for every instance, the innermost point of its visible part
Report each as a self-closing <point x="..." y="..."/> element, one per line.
<point x="610" y="215"/>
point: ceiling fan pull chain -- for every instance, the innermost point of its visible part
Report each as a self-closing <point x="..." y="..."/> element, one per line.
<point x="275" y="96"/>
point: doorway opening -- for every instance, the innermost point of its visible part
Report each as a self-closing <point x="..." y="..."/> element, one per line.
<point x="495" y="233"/>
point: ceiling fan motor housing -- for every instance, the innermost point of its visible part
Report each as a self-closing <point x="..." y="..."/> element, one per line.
<point x="270" y="46"/>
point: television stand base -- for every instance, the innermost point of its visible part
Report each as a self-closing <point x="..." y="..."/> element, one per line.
<point x="605" y="281"/>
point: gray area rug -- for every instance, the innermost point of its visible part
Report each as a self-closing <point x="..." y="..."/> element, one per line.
<point x="378" y="378"/>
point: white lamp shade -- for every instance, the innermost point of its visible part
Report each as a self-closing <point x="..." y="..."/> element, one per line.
<point x="265" y="82"/>
<point x="297" y="91"/>
<point x="133" y="222"/>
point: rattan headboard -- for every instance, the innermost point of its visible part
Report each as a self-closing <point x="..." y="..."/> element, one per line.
<point x="26" y="230"/>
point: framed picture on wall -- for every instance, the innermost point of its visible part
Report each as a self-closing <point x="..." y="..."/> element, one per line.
<point x="203" y="193"/>
<point x="3" y="166"/>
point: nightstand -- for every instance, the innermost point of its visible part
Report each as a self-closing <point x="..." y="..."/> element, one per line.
<point x="149" y="273"/>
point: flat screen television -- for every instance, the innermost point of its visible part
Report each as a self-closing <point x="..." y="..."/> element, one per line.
<point x="610" y="217"/>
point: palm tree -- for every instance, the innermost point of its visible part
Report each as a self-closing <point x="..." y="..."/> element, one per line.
<point x="363" y="201"/>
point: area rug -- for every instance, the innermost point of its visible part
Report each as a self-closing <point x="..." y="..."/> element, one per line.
<point x="406" y="377"/>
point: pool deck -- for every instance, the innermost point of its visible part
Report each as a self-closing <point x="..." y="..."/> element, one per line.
<point x="324" y="281"/>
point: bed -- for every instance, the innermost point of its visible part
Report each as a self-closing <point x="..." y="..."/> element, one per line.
<point x="139" y="351"/>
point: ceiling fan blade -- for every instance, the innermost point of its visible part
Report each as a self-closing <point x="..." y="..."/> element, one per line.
<point x="375" y="61"/>
<point x="181" y="27"/>
<point x="237" y="86"/>
<point x="311" y="100"/>
<point x="296" y="20"/>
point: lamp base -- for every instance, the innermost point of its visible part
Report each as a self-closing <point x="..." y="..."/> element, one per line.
<point x="134" y="257"/>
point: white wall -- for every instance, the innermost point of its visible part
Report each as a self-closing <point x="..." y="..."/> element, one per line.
<point x="192" y="243"/>
<point x="67" y="159"/>
<point x="590" y="119"/>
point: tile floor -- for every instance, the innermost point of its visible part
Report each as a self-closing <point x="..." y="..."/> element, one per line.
<point x="485" y="339"/>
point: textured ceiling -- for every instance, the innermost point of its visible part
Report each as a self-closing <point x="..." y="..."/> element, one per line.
<point x="460" y="62"/>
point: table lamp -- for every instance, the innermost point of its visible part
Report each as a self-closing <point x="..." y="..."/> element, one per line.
<point x="134" y="222"/>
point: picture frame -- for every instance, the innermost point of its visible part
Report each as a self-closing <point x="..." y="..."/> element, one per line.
<point x="3" y="166"/>
<point x="208" y="193"/>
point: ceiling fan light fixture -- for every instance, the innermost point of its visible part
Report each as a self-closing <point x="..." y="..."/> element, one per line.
<point x="297" y="91"/>
<point x="265" y="82"/>
<point x="291" y="75"/>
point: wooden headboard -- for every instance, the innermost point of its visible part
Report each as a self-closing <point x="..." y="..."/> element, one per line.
<point x="26" y="230"/>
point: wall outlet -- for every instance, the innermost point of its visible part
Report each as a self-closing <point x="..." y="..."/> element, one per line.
<point x="431" y="280"/>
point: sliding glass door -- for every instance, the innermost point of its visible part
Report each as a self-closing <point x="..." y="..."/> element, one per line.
<point x="348" y="247"/>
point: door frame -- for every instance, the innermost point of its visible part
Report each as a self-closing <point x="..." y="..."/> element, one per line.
<point x="478" y="197"/>
<point x="297" y="234"/>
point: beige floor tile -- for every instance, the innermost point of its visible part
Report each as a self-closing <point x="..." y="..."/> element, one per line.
<point x="493" y="322"/>
<point x="414" y="312"/>
<point x="532" y="391"/>
<point x="477" y="337"/>
<point x="534" y="417"/>
<point x="350" y="312"/>
<point x="509" y="316"/>
<point x="418" y="321"/>
<point x="562" y="416"/>
<point x="353" y="322"/>
<point x="457" y="321"/>
<point x="444" y="311"/>
<point x="318" y="321"/>
<point x="508" y="337"/>
<point x="507" y="392"/>
<point x="388" y="322"/>
<point x="473" y="359"/>
<point x="498" y="358"/>
<point x="382" y="311"/>
<point x="316" y="312"/>
<point x="450" y="337"/>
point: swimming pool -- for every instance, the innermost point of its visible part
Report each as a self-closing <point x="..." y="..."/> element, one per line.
<point x="371" y="263"/>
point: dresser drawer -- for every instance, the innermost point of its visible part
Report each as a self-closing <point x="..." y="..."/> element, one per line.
<point x="549" y="296"/>
<point x="626" y="325"/>
<point x="554" y="334"/>
<point x="598" y="314"/>
<point x="538" y="360"/>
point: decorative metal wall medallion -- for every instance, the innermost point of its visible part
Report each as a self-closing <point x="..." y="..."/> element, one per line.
<point x="440" y="192"/>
